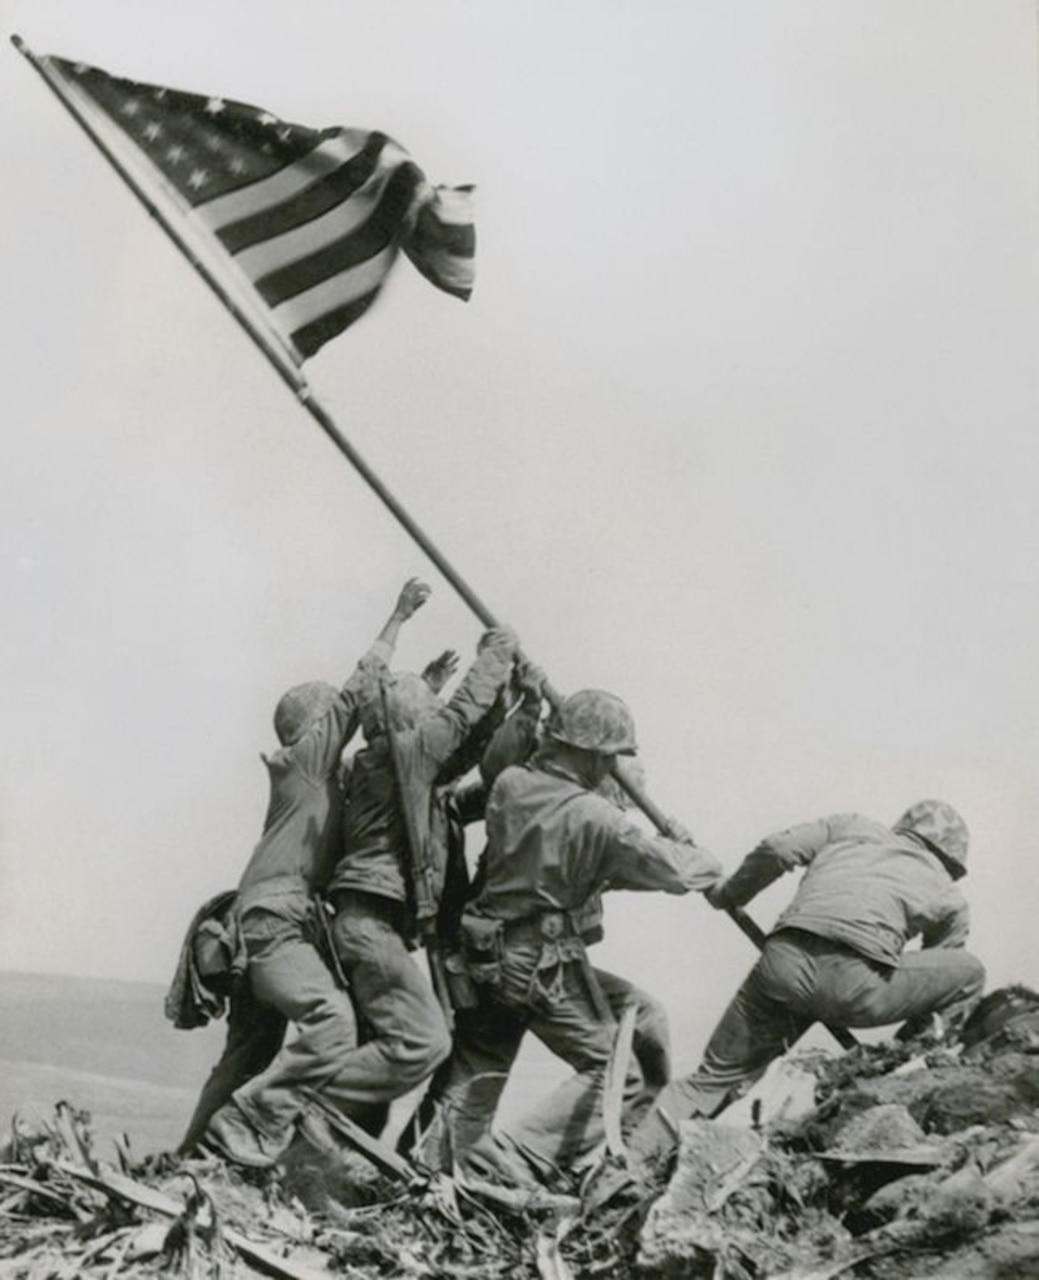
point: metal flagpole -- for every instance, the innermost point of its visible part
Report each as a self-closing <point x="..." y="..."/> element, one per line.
<point x="262" y="335"/>
<point x="273" y="348"/>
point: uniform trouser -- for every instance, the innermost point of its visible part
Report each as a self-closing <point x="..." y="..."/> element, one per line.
<point x="254" y="1035"/>
<point x="459" y="1106"/>
<point x="801" y="979"/>
<point x="287" y="973"/>
<point x="407" y="1033"/>
<point x="578" y="1023"/>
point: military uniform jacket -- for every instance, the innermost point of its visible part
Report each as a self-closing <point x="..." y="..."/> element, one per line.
<point x="865" y="885"/>
<point x="375" y="848"/>
<point x="553" y="845"/>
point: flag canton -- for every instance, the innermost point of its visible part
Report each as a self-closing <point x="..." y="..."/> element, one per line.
<point x="205" y="146"/>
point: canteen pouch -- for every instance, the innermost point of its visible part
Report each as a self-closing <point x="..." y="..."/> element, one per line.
<point x="483" y="944"/>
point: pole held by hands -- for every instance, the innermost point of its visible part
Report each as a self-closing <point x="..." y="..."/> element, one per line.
<point x="292" y="376"/>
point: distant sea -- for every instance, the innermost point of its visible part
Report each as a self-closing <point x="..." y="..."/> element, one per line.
<point x="105" y="1047"/>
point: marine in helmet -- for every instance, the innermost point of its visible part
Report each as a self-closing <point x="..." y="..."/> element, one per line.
<point x="554" y="843"/>
<point x="487" y="1035"/>
<point x="397" y="812"/>
<point x="287" y="978"/>
<point x="838" y="952"/>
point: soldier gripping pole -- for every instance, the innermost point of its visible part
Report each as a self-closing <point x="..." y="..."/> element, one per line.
<point x="164" y="212"/>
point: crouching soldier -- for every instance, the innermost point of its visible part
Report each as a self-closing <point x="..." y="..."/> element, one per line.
<point x="837" y="954"/>
<point x="554" y="843"/>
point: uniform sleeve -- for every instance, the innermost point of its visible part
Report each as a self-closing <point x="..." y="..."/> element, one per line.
<point x="512" y="743"/>
<point x="317" y="753"/>
<point x="948" y="925"/>
<point x="442" y="734"/>
<point x="633" y="860"/>
<point x="775" y="855"/>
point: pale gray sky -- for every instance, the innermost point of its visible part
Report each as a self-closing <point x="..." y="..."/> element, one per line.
<point x="741" y="422"/>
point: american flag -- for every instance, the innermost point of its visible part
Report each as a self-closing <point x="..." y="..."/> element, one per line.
<point x="313" y="219"/>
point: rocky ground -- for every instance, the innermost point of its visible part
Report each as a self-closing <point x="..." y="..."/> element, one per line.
<point x="891" y="1162"/>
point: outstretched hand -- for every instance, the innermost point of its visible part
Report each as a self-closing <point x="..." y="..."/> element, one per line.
<point x="440" y="670"/>
<point x="413" y="595"/>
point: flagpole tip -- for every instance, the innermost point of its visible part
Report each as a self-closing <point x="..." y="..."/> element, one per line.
<point x="18" y="42"/>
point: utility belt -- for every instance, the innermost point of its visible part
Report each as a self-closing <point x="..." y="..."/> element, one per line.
<point x="477" y="966"/>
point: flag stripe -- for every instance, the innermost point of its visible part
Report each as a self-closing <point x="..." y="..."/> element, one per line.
<point x="312" y="337"/>
<point x="379" y="231"/>
<point x="454" y="206"/>
<point x="339" y="290"/>
<point x="328" y="155"/>
<point x="309" y="203"/>
<point x="345" y="218"/>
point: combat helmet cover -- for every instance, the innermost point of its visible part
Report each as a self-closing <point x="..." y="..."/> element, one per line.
<point x="302" y="706"/>
<point x="942" y="828"/>
<point x="594" y="720"/>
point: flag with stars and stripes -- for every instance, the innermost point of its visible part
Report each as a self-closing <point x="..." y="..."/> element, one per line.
<point x="312" y="219"/>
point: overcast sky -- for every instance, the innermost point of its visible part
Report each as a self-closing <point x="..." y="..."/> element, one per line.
<point x="741" y="423"/>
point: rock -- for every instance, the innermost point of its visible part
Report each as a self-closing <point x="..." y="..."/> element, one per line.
<point x="784" y="1095"/>
<point x="888" y="1127"/>
<point x="709" y="1153"/>
<point x="961" y="1104"/>
<point x="958" y="1206"/>
<point x="713" y="1157"/>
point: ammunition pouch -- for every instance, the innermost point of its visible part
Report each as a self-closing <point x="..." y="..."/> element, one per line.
<point x="483" y="946"/>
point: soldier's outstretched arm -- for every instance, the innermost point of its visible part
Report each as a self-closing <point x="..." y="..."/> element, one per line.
<point x="774" y="856"/>
<point x="634" y="860"/>
<point x="413" y="595"/>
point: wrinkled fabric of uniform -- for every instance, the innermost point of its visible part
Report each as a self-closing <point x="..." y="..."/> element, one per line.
<point x="864" y="885"/>
<point x="192" y="1001"/>
<point x="302" y="829"/>
<point x="292" y="861"/>
<point x="373" y="854"/>
<point x="553" y="847"/>
<point x="464" y="1095"/>
<point x="373" y="928"/>
<point x="837" y="955"/>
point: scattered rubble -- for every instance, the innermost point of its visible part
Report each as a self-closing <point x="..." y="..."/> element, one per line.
<point x="917" y="1159"/>
<point x="920" y="1159"/>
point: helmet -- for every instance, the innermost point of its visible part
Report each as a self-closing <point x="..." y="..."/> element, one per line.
<point x="298" y="709"/>
<point x="943" y="829"/>
<point x="594" y="721"/>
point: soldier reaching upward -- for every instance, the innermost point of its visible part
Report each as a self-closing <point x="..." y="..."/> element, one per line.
<point x="276" y="907"/>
